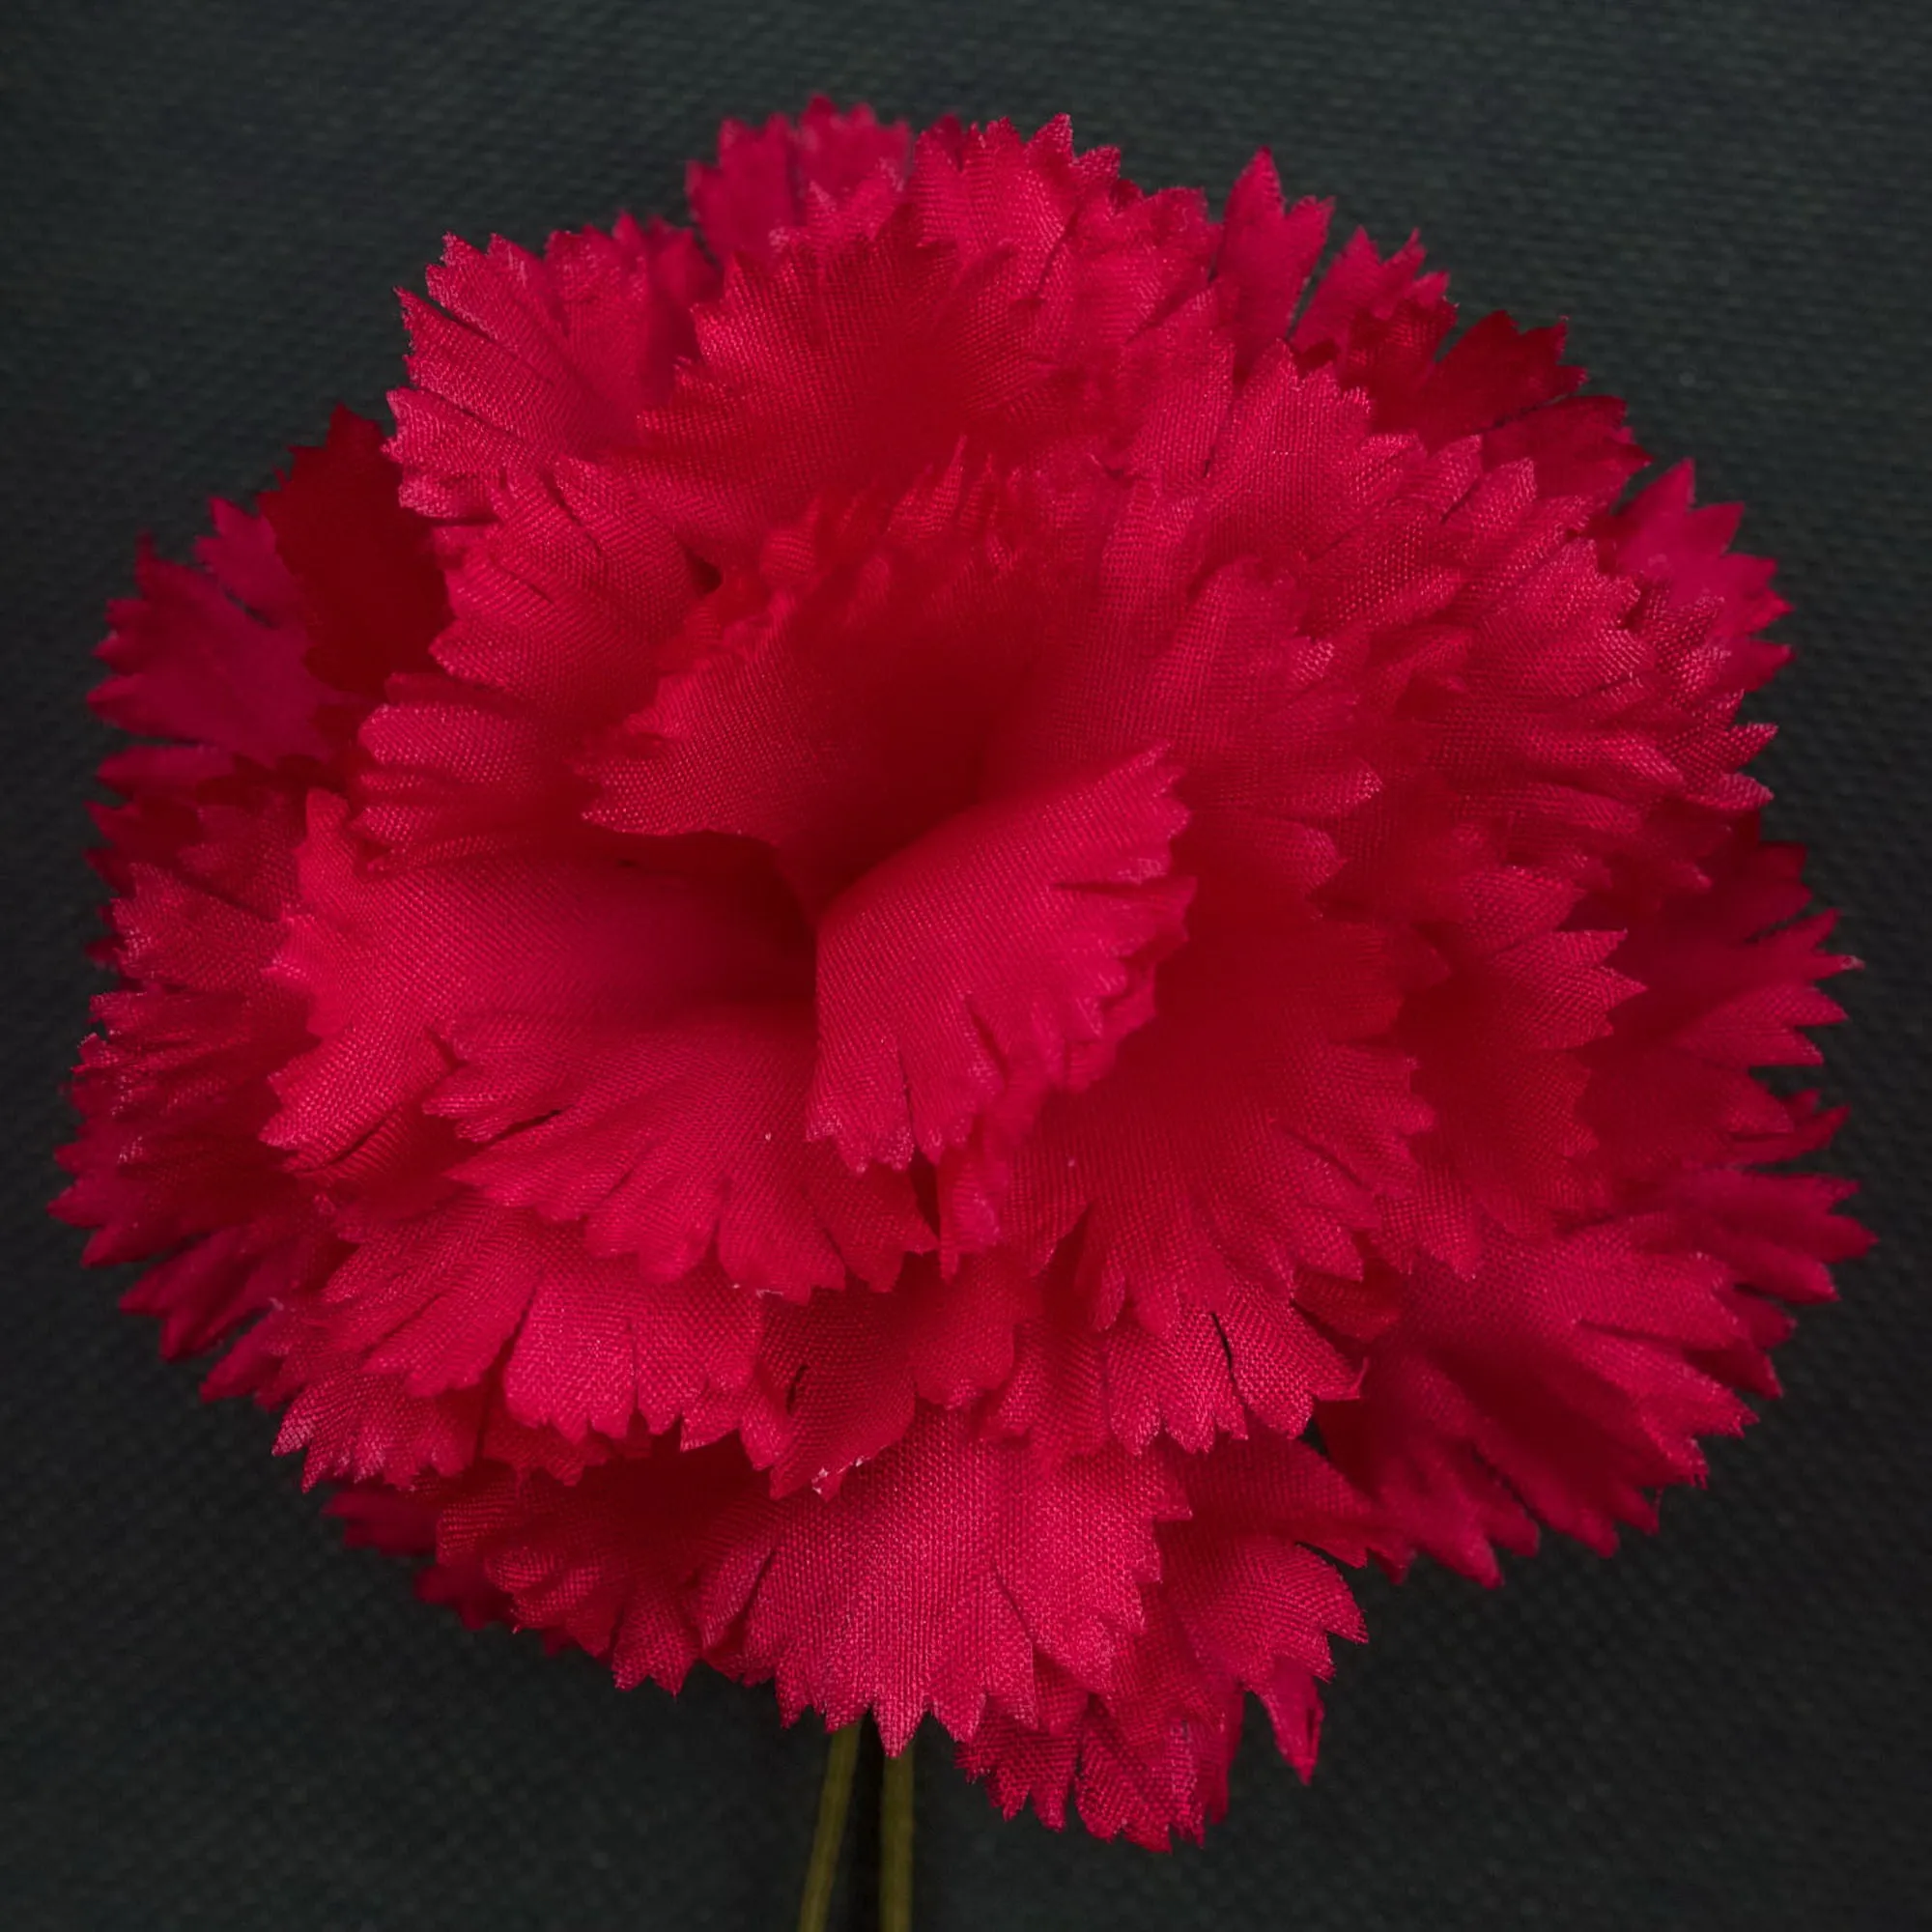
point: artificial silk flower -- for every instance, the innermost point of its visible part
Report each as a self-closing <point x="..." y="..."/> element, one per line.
<point x="950" y="933"/>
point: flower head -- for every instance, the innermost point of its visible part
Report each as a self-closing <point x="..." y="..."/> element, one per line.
<point x="947" y="931"/>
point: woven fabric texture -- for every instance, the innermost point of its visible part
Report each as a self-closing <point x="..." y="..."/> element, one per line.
<point x="212" y="1716"/>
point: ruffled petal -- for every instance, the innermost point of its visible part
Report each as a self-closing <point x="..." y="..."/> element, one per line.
<point x="216" y="655"/>
<point x="604" y="1562"/>
<point x="766" y="178"/>
<point x="1246" y="1604"/>
<point x="474" y="1293"/>
<point x="1002" y="957"/>
<point x="837" y="1379"/>
<point x="1267" y="251"/>
<point x="961" y="1562"/>
<point x="669" y="1142"/>
<point x="390" y="963"/>
<point x="174" y="1088"/>
<point x="1557" y="1383"/>
<point x="519" y="359"/>
<point x="371" y="595"/>
<point x="831" y="703"/>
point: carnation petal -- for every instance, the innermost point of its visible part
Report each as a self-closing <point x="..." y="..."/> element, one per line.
<point x="389" y="961"/>
<point x="1555" y="1383"/>
<point x="564" y="604"/>
<point x="962" y="1562"/>
<point x="1003" y="955"/>
<point x="199" y="658"/>
<point x="604" y="1562"/>
<point x="837" y="1379"/>
<point x="763" y="174"/>
<point x="1245" y="1604"/>
<point x="525" y="358"/>
<point x="1267" y="252"/>
<point x="667" y="1141"/>
<point x="372" y="597"/>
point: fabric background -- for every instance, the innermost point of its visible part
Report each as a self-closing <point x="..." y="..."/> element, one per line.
<point x="210" y="1715"/>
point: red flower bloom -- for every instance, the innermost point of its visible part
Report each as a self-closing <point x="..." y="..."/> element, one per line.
<point x="894" y="891"/>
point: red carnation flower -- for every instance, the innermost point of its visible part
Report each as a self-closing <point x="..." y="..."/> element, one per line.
<point x="943" y="933"/>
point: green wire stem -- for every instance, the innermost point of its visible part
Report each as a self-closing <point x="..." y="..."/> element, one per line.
<point x="896" y="1843"/>
<point x="835" y="1799"/>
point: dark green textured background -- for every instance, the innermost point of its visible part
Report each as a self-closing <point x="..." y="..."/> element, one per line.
<point x="210" y="1715"/>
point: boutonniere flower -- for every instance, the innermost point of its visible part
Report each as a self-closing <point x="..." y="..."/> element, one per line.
<point x="948" y="933"/>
